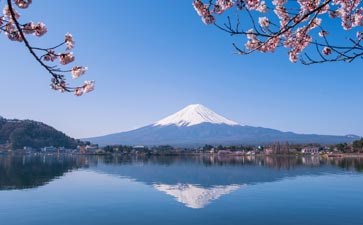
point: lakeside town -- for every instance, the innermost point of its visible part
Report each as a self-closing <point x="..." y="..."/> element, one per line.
<point x="278" y="148"/>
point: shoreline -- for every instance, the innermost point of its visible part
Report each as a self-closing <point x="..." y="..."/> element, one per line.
<point x="191" y="154"/>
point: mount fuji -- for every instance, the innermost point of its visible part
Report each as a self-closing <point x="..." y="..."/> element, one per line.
<point x="197" y="125"/>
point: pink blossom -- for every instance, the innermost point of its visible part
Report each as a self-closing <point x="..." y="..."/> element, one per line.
<point x="14" y="36"/>
<point x="68" y="39"/>
<point x="88" y="86"/>
<point x="293" y="56"/>
<point x="252" y="4"/>
<point x="315" y="23"/>
<point x="50" y="56"/>
<point x="308" y="5"/>
<point x="323" y="33"/>
<point x="40" y="29"/>
<point x="263" y="21"/>
<point x="78" y="71"/>
<point x="279" y="2"/>
<point x="203" y="11"/>
<point x="28" y="28"/>
<point x="209" y="19"/>
<point x="291" y="26"/>
<point x="7" y="13"/>
<point x="9" y="28"/>
<point x="17" y="30"/>
<point x="262" y="7"/>
<point x="222" y="5"/>
<point x="23" y="3"/>
<point x="78" y="91"/>
<point x="327" y="51"/>
<point x="66" y="58"/>
<point x="59" y="86"/>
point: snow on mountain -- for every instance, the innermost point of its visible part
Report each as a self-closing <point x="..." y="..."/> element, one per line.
<point x="193" y="115"/>
<point x="194" y="196"/>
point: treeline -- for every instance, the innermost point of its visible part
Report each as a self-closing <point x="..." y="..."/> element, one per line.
<point x="275" y="148"/>
<point x="170" y="150"/>
<point x="358" y="145"/>
<point x="17" y="134"/>
<point x="162" y="149"/>
<point x="355" y="147"/>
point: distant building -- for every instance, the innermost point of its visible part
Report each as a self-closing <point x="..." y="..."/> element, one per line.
<point x="310" y="150"/>
<point x="139" y="147"/>
<point x="269" y="151"/>
<point x="91" y="149"/>
<point x="82" y="149"/>
<point x="28" y="149"/>
<point x="49" y="149"/>
<point x="277" y="148"/>
<point x="250" y="153"/>
<point x="222" y="152"/>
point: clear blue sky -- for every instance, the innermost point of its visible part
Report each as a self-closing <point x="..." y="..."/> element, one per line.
<point x="150" y="59"/>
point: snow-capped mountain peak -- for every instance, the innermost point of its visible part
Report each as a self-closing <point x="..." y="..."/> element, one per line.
<point x="193" y="115"/>
<point x="194" y="196"/>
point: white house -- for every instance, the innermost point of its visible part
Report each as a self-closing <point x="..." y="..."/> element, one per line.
<point x="310" y="150"/>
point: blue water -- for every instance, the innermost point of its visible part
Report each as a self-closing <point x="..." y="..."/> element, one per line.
<point x="58" y="190"/>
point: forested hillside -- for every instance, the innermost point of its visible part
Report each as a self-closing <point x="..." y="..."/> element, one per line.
<point x="20" y="133"/>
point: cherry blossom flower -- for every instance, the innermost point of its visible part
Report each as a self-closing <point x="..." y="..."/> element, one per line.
<point x="7" y="13"/>
<point x="50" y="56"/>
<point x="323" y="33"/>
<point x="88" y="86"/>
<point x="66" y="58"/>
<point x="29" y="28"/>
<point x="23" y="4"/>
<point x="78" y="91"/>
<point x="68" y="39"/>
<point x="263" y="21"/>
<point x="16" y="30"/>
<point x="222" y="5"/>
<point x="262" y="7"/>
<point x="14" y="36"/>
<point x="252" y="4"/>
<point x="290" y="26"/>
<point x="293" y="56"/>
<point x="203" y="11"/>
<point x="78" y="71"/>
<point x="40" y="29"/>
<point x="327" y="51"/>
<point x="58" y="86"/>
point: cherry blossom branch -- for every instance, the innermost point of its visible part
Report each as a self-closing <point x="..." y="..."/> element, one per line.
<point x="27" y="43"/>
<point x="291" y="26"/>
<point x="17" y="32"/>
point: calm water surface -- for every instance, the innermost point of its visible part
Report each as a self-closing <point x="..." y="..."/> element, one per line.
<point x="58" y="190"/>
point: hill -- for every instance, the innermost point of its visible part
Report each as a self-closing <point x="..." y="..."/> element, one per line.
<point x="17" y="134"/>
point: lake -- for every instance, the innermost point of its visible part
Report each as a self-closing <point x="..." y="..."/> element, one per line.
<point x="66" y="189"/>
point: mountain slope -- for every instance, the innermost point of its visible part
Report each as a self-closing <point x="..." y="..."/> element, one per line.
<point x="20" y="133"/>
<point x="212" y="134"/>
<point x="197" y="125"/>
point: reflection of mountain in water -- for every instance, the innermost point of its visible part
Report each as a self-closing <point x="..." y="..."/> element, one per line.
<point x="193" y="181"/>
<point x="22" y="172"/>
<point x="208" y="173"/>
<point x="194" y="196"/>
